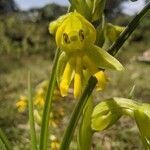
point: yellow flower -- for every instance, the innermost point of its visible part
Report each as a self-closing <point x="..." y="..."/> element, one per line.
<point x="39" y="97"/>
<point x="39" y="100"/>
<point x="75" y="36"/>
<point x="22" y="104"/>
<point x="55" y="144"/>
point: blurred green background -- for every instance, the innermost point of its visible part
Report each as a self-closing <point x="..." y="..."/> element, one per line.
<point x="25" y="44"/>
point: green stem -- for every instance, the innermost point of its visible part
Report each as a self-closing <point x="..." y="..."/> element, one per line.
<point x="85" y="131"/>
<point x="77" y="113"/>
<point x="47" y="107"/>
<point x="31" y="116"/>
<point x="4" y="139"/>
<point x="129" y="29"/>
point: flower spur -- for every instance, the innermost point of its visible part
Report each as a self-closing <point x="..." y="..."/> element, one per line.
<point x="75" y="36"/>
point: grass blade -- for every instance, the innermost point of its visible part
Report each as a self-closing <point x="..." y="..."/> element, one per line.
<point x="46" y="112"/>
<point x="4" y="143"/>
<point x="31" y="116"/>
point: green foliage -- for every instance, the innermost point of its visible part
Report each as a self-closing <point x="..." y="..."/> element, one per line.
<point x="52" y="11"/>
<point x="137" y="110"/>
<point x="18" y="37"/>
<point x="2" y="145"/>
<point x="27" y="32"/>
<point x="90" y="9"/>
<point x="7" y="6"/>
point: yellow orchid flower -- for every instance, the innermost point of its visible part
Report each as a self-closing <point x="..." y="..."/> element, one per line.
<point x="76" y="36"/>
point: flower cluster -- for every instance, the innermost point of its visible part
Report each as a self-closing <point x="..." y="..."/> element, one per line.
<point x="38" y="102"/>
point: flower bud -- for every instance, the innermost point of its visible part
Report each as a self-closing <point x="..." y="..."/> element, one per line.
<point x="104" y="116"/>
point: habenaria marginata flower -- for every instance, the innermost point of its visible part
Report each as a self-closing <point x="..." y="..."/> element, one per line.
<point x="75" y="36"/>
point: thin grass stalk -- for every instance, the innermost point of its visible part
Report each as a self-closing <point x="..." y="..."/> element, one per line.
<point x="47" y="106"/>
<point x="5" y="140"/>
<point x="31" y="116"/>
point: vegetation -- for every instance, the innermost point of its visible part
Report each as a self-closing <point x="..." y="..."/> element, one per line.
<point x="25" y="44"/>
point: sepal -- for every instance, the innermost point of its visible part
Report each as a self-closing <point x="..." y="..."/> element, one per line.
<point x="102" y="58"/>
<point x="53" y="26"/>
<point x="62" y="61"/>
<point x="111" y="33"/>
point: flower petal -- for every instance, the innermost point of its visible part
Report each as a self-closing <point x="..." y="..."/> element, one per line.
<point x="100" y="75"/>
<point x="102" y="58"/>
<point x="54" y="25"/>
<point x="101" y="78"/>
<point x="62" y="61"/>
<point x="67" y="78"/>
<point x="78" y="78"/>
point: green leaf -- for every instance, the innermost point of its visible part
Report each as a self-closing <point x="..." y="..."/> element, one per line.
<point x="102" y="58"/>
<point x="81" y="7"/>
<point x="4" y="143"/>
<point x="31" y="116"/>
<point x="85" y="132"/>
<point x="98" y="9"/>
<point x="44" y="134"/>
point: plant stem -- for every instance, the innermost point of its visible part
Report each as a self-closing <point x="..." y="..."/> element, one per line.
<point x="47" y="107"/>
<point x="31" y="116"/>
<point x="77" y="113"/>
<point x="4" y="139"/>
<point x="128" y="30"/>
